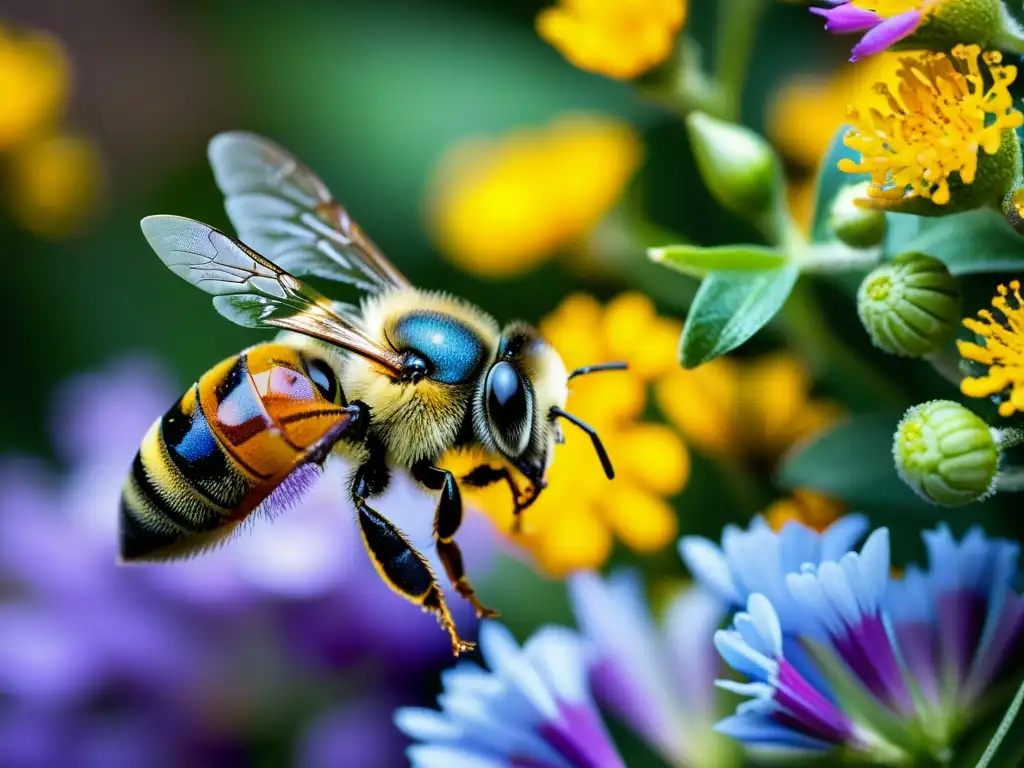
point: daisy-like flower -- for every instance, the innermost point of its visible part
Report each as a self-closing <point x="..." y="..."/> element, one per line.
<point x="502" y="206"/>
<point x="572" y="524"/>
<point x="942" y="132"/>
<point x="533" y="709"/>
<point x="884" y="22"/>
<point x="896" y="670"/>
<point x="1001" y="350"/>
<point x="620" y="39"/>
<point x="657" y="677"/>
<point x="758" y="559"/>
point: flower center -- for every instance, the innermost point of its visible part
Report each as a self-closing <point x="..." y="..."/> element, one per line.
<point x="934" y="124"/>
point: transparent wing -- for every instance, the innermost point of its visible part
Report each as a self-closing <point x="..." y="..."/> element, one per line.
<point x="279" y="206"/>
<point x="252" y="291"/>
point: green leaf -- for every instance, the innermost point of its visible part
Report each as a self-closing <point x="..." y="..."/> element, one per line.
<point x="853" y="462"/>
<point x="969" y="243"/>
<point x="729" y="308"/>
<point x="830" y="181"/>
<point x="698" y="262"/>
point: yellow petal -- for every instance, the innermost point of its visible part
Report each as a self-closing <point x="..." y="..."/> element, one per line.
<point x="653" y="456"/>
<point x="702" y="403"/>
<point x="577" y="539"/>
<point x="644" y="522"/>
<point x="56" y="182"/>
<point x="33" y="85"/>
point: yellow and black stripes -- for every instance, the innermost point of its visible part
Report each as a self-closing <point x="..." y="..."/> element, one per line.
<point x="224" y="447"/>
<point x="183" y="484"/>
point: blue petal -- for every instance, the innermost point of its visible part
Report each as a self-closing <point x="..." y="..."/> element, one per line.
<point x="742" y="657"/>
<point x="708" y="565"/>
<point x="839" y="538"/>
<point x="758" y="729"/>
<point x="434" y="756"/>
<point x="426" y="724"/>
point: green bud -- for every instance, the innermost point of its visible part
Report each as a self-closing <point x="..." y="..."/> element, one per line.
<point x="738" y="166"/>
<point x="946" y="454"/>
<point x="909" y="306"/>
<point x="985" y="22"/>
<point x="853" y="225"/>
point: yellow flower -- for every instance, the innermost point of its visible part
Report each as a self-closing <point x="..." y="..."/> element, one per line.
<point x="745" y="411"/>
<point x="808" y="112"/>
<point x="54" y="184"/>
<point x="1002" y="350"/>
<point x="617" y="38"/>
<point x="499" y="207"/>
<point x="933" y="126"/>
<point x="811" y="508"/>
<point x="33" y="85"/>
<point x="573" y="522"/>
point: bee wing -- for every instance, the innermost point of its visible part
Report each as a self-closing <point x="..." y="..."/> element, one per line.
<point x="252" y="291"/>
<point x="280" y="206"/>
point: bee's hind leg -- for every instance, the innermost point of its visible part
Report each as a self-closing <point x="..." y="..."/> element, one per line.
<point x="401" y="567"/>
<point x="447" y="520"/>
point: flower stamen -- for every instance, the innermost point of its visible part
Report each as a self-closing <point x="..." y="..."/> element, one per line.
<point x="1001" y="350"/>
<point x="927" y="136"/>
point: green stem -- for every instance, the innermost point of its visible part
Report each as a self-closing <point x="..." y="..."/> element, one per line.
<point x="738" y="22"/>
<point x="805" y="323"/>
<point x="1004" y="728"/>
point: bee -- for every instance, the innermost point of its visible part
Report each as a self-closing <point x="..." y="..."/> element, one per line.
<point x="392" y="383"/>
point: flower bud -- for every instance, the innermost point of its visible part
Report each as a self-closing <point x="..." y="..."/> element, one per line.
<point x="738" y="166"/>
<point x="909" y="306"/>
<point x="852" y="224"/>
<point x="984" y="22"/>
<point x="946" y="454"/>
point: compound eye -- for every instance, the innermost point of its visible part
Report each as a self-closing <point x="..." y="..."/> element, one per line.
<point x="324" y="379"/>
<point x="509" y="408"/>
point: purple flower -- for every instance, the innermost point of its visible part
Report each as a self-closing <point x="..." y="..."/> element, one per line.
<point x="658" y="678"/>
<point x="182" y="658"/>
<point x="873" y="644"/>
<point x="533" y="709"/>
<point x="882" y="26"/>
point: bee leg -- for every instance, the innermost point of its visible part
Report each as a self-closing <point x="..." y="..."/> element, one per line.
<point x="405" y="570"/>
<point x="447" y="519"/>
<point x="484" y="475"/>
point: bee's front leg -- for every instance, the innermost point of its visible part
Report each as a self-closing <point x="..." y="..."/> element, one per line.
<point x="401" y="567"/>
<point x="447" y="519"/>
<point x="485" y="474"/>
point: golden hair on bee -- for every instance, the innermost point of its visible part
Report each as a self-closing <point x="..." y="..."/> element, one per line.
<point x="393" y="383"/>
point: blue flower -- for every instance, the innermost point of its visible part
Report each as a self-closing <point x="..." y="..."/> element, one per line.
<point x="891" y="668"/>
<point x="657" y="677"/>
<point x="759" y="558"/>
<point x="533" y="709"/>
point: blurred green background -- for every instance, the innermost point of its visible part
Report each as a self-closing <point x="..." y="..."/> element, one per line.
<point x="369" y="94"/>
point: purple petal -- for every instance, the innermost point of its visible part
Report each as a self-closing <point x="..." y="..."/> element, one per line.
<point x="917" y="644"/>
<point x="961" y="616"/>
<point x="816" y="715"/>
<point x="869" y="652"/>
<point x="885" y="34"/>
<point x="847" y="18"/>
<point x="580" y="737"/>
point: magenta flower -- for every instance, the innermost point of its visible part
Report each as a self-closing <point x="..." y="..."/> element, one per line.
<point x="883" y="22"/>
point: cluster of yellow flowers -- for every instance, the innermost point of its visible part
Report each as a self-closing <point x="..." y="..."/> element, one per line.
<point x="741" y="412"/>
<point x="53" y="176"/>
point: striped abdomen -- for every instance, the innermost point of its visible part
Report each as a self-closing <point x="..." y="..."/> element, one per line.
<point x="237" y="434"/>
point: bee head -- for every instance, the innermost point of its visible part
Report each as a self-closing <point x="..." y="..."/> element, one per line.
<point x="521" y="398"/>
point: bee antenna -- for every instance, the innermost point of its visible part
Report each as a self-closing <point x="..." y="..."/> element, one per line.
<point x="602" y="454"/>
<point x="597" y="368"/>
